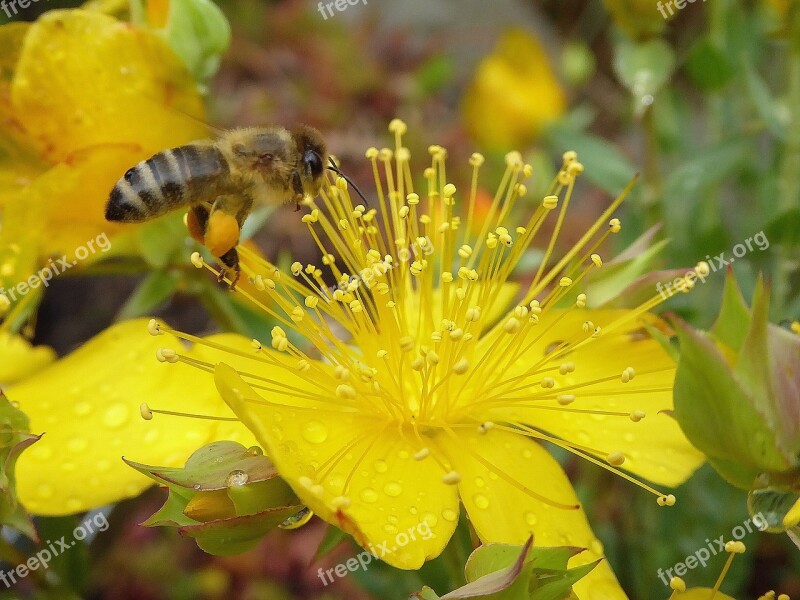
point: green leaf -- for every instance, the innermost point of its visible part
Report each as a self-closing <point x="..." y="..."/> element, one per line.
<point x="154" y="290"/>
<point x="605" y="165"/>
<point x="161" y="241"/>
<point x="708" y="67"/>
<point x="764" y="104"/>
<point x="484" y="579"/>
<point x="643" y="67"/>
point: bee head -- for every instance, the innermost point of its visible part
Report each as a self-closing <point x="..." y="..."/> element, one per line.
<point x="313" y="156"/>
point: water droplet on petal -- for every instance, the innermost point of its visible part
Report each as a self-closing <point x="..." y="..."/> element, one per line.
<point x="314" y="432"/>
<point x="481" y="501"/>
<point x="237" y="477"/>
<point x="82" y="408"/>
<point x="393" y="489"/>
<point x="449" y="515"/>
<point x="480" y="482"/>
<point x="530" y="518"/>
<point x="369" y="495"/>
<point x="255" y="451"/>
<point x="77" y="445"/>
<point x="390" y="529"/>
<point x="116" y="416"/>
<point x="430" y="518"/>
<point x="380" y="466"/>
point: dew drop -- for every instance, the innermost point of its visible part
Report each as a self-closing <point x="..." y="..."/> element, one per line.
<point x="390" y="529"/>
<point x="103" y="464"/>
<point x="380" y="466"/>
<point x="236" y="478"/>
<point x="44" y="491"/>
<point x="530" y="518"/>
<point x="116" y="416"/>
<point x="527" y="454"/>
<point x="430" y="518"/>
<point x="481" y="501"/>
<point x="315" y="432"/>
<point x="403" y="454"/>
<point x="151" y="435"/>
<point x="393" y="489"/>
<point x="480" y="482"/>
<point x="369" y="495"/>
<point x="393" y="519"/>
<point x="255" y="451"/>
<point x="41" y="452"/>
<point x="449" y="515"/>
<point x="77" y="445"/>
<point x="82" y="408"/>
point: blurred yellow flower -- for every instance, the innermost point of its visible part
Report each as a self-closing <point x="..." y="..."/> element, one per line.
<point x="513" y="94"/>
<point x="82" y="98"/>
<point x="639" y="18"/>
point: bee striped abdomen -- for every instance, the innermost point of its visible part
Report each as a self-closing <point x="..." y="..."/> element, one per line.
<point x="166" y="181"/>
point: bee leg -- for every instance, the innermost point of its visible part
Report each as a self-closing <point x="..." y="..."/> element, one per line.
<point x="297" y="188"/>
<point x="231" y="261"/>
<point x="222" y="230"/>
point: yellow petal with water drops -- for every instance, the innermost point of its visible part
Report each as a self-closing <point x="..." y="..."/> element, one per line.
<point x="87" y="405"/>
<point x="19" y="358"/>
<point x="353" y="471"/>
<point x="85" y="79"/>
<point x="62" y="212"/>
<point x="504" y="478"/>
<point x="591" y="407"/>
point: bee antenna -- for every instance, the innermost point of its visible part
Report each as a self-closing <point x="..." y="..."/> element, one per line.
<point x="335" y="169"/>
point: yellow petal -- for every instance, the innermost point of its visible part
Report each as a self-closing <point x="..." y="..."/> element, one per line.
<point x="85" y="79"/>
<point x="20" y="359"/>
<point x="654" y="447"/>
<point x="87" y="405"/>
<point x="350" y="470"/>
<point x="501" y="510"/>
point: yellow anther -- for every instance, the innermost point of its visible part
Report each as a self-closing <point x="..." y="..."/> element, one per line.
<point x="451" y="478"/>
<point x="465" y="251"/>
<point x="461" y="366"/>
<point x="402" y="154"/>
<point x="449" y="190"/>
<point x="598" y="262"/>
<point x="735" y="547"/>
<point x="345" y="392"/>
<point x="398" y="126"/>
<point x="432" y="358"/>
<point x="403" y="212"/>
<point x="514" y="159"/>
<point x="535" y="307"/>
<point x="145" y="412"/>
<point x="521" y="190"/>
<point x="343" y="225"/>
<point x="447" y="277"/>
<point x="521" y="312"/>
<point x="548" y="382"/>
<point x="422" y="454"/>
<point x="527" y="170"/>
<point x="303" y="365"/>
<point x="565" y="282"/>
<point x="668" y="500"/>
<point x="485" y="426"/>
<point x="280" y="344"/>
<point x="153" y="328"/>
<point x="615" y="459"/>
<point x="627" y="374"/>
<point x="477" y="159"/>
<point x="356" y="306"/>
<point x="371" y="153"/>
<point x="382" y="353"/>
<point x="570" y="156"/>
<point x="167" y="355"/>
<point x="615" y="225"/>
<point x="567" y="367"/>
<point x="512" y="325"/>
<point x="341" y="373"/>
<point x="587" y="326"/>
<point x="298" y="314"/>
<point x="677" y="584"/>
<point x="197" y="260"/>
<point x="575" y="169"/>
<point x="581" y="301"/>
<point x="637" y="415"/>
<point x="385" y="154"/>
<point x="418" y="364"/>
<point x="565" y="399"/>
<point x="473" y="313"/>
<point x="297" y="268"/>
<point x="308" y="219"/>
<point x="255" y="344"/>
<point x="311" y="302"/>
<point x="550" y="202"/>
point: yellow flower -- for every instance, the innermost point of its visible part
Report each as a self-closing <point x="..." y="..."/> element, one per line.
<point x="82" y="98"/>
<point x="87" y="405"/>
<point x="424" y="390"/>
<point x="513" y="94"/>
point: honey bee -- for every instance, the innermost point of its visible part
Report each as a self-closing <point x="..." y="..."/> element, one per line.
<point x="219" y="180"/>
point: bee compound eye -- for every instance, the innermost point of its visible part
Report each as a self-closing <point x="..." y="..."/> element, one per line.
<point x="313" y="162"/>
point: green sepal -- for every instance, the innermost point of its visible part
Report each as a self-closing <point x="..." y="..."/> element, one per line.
<point x="14" y="438"/>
